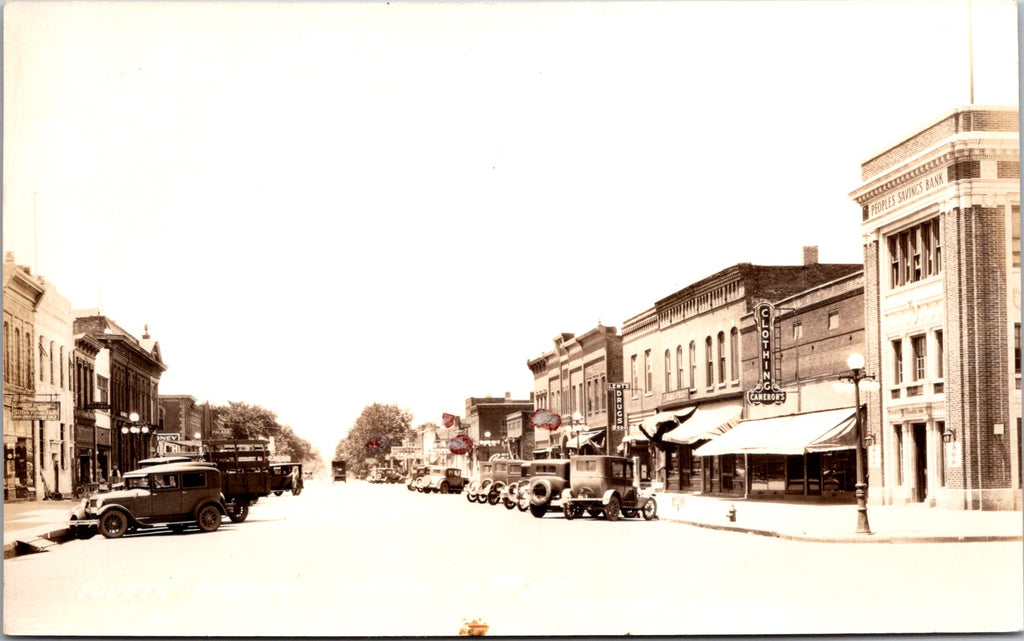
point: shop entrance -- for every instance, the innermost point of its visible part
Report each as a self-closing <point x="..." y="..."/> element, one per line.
<point x="920" y="436"/>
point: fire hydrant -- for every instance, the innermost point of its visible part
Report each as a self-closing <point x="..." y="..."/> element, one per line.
<point x="731" y="514"/>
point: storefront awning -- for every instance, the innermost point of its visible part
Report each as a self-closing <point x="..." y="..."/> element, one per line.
<point x="794" y="434"/>
<point x="705" y="424"/>
<point x="577" y="442"/>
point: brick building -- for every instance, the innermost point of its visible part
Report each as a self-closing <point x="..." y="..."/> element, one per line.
<point x="135" y="369"/>
<point x="485" y="424"/>
<point x="572" y="381"/>
<point x="682" y="359"/>
<point x="941" y="227"/>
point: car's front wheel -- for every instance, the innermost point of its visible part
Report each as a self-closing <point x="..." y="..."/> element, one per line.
<point x="538" y="510"/>
<point x="650" y="509"/>
<point x="208" y="518"/>
<point x="113" y="524"/>
<point x="238" y="512"/>
<point x="611" y="510"/>
<point x="444" y="487"/>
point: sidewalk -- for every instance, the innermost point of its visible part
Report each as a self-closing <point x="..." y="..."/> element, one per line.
<point x="38" y="524"/>
<point x="838" y="523"/>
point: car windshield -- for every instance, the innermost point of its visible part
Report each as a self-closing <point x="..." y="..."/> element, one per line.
<point x="137" y="482"/>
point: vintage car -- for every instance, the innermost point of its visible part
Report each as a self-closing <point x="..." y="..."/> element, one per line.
<point x="173" y="494"/>
<point x="606" y="485"/>
<point x="413" y="479"/>
<point x="286" y="477"/>
<point x="495" y="477"/>
<point x="338" y="471"/>
<point x="517" y="477"/>
<point x="548" y="479"/>
<point x="444" y="480"/>
<point x="478" y="488"/>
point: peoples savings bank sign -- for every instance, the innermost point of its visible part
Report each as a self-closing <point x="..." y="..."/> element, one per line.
<point x="767" y="391"/>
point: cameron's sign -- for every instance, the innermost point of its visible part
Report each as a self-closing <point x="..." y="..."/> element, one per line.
<point x="767" y="390"/>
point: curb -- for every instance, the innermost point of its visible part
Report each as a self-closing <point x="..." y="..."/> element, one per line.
<point x="22" y="547"/>
<point x="854" y="538"/>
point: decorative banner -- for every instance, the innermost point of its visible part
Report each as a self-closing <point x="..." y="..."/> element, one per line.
<point x="377" y="443"/>
<point x="767" y="390"/>
<point x="545" y="419"/>
<point x="447" y="419"/>
<point x="460" y="444"/>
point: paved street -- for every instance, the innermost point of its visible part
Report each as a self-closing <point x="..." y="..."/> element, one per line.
<point x="361" y="559"/>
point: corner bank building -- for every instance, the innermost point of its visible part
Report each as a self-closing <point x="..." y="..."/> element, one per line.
<point x="941" y="232"/>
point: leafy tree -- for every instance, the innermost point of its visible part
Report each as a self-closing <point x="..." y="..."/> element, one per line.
<point x="378" y="429"/>
<point x="248" y="421"/>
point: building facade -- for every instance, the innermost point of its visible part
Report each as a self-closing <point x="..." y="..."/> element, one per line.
<point x="92" y="412"/>
<point x="485" y="424"/>
<point x="572" y="380"/>
<point x="682" y="359"/>
<point x="941" y="230"/>
<point x="22" y="294"/>
<point x="55" y="378"/>
<point x="135" y="366"/>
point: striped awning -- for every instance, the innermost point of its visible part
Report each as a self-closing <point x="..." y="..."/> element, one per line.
<point x="706" y="423"/>
<point x="793" y="434"/>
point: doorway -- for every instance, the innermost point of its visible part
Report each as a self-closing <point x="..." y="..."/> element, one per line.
<point x="920" y="436"/>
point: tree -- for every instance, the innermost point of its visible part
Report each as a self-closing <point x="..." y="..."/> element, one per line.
<point x="247" y="421"/>
<point x="375" y="432"/>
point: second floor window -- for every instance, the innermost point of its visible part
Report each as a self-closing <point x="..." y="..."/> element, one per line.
<point x="635" y="376"/>
<point x="648" y="372"/>
<point x="920" y="349"/>
<point x="721" y="357"/>
<point x="693" y="365"/>
<point x="679" y="366"/>
<point x="668" y="371"/>
<point x="710" y="362"/>
<point x="897" y="361"/>
<point x="734" y="352"/>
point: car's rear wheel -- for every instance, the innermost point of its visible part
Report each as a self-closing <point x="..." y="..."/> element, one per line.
<point x="650" y="509"/>
<point x="523" y="501"/>
<point x="611" y="510"/>
<point x="568" y="511"/>
<point x="444" y="487"/>
<point x="208" y="518"/>
<point x="238" y="512"/>
<point x="538" y="510"/>
<point x="113" y="524"/>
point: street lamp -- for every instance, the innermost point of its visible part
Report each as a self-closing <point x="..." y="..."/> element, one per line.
<point x="856" y="364"/>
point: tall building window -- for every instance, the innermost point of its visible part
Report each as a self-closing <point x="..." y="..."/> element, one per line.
<point x="1016" y="348"/>
<point x="897" y="360"/>
<point x="721" y="357"/>
<point x="103" y="384"/>
<point x="668" y="371"/>
<point x="681" y="372"/>
<point x="635" y="376"/>
<point x="648" y="372"/>
<point x="709" y="357"/>
<point x="920" y="350"/>
<point x="833" y="320"/>
<point x="915" y="253"/>
<point x="734" y="352"/>
<point x="42" y="363"/>
<point x="17" y="356"/>
<point x="1015" y="234"/>
<point x="939" y="354"/>
<point x="693" y="365"/>
<point x="798" y="330"/>
<point x="52" y="369"/>
<point x="62" y="367"/>
<point x="603" y="392"/>
<point x="590" y="397"/>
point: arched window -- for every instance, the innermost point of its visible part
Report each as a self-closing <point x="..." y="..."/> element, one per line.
<point x="668" y="371"/>
<point x="734" y="352"/>
<point x="693" y="365"/>
<point x="680" y="371"/>
<point x="709" y="357"/>
<point x="721" y="357"/>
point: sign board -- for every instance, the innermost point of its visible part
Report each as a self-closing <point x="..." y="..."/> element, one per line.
<point x="405" y="452"/>
<point x="168" y="436"/>
<point x="767" y="391"/>
<point x="28" y="410"/>
<point x="620" y="412"/>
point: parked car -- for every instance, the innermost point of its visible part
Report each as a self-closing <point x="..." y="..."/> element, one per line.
<point x="548" y="479"/>
<point x="338" y="472"/>
<point x="518" y="474"/>
<point x="392" y="475"/>
<point x="415" y="474"/>
<point x="173" y="494"/>
<point x="606" y="485"/>
<point x="478" y="488"/>
<point x="444" y="480"/>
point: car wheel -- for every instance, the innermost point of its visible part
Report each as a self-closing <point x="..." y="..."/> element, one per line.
<point x="470" y="496"/>
<point x="509" y="503"/>
<point x="238" y="512"/>
<point x="538" y="510"/>
<point x="208" y="518"/>
<point x="409" y="487"/>
<point x="113" y="524"/>
<point x="444" y="487"/>
<point x="493" y="498"/>
<point x="651" y="509"/>
<point x="611" y="511"/>
<point x="524" y="501"/>
<point x="278" y="492"/>
<point x="568" y="511"/>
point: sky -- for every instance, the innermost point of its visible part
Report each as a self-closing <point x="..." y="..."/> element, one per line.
<point x="319" y="206"/>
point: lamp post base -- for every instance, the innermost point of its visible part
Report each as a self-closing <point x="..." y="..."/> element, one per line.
<point x="862" y="509"/>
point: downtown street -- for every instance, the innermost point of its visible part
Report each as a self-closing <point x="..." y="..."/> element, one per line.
<point x="355" y="559"/>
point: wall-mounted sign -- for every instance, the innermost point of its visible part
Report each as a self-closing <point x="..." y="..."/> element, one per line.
<point x="767" y="391"/>
<point x="30" y="410"/>
<point x="620" y="412"/>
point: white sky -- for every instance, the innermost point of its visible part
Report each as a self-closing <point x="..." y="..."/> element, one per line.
<point x="320" y="206"/>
